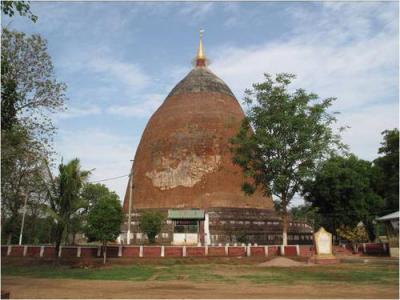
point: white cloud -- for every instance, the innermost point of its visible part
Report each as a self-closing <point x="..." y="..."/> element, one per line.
<point x="119" y="71"/>
<point x="335" y="54"/>
<point x="196" y="11"/>
<point x="77" y="112"/>
<point x="144" y="108"/>
<point x="367" y="123"/>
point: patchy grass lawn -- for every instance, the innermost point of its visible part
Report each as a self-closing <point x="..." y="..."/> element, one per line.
<point x="356" y="274"/>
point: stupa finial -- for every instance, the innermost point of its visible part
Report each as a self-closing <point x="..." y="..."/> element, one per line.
<point x="200" y="57"/>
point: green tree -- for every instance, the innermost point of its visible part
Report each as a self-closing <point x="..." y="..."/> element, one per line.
<point x="387" y="169"/>
<point x="65" y="197"/>
<point x="355" y="235"/>
<point x="92" y="192"/>
<point x="29" y="93"/>
<point x="22" y="7"/>
<point x="104" y="221"/>
<point x="150" y="223"/>
<point x="29" y="88"/>
<point x="21" y="168"/>
<point x="308" y="214"/>
<point x="282" y="138"/>
<point x="342" y="192"/>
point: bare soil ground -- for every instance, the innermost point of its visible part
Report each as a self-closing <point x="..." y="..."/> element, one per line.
<point x="70" y="288"/>
<point x="283" y="262"/>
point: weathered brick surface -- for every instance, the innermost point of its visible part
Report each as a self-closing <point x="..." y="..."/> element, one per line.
<point x="48" y="251"/>
<point x="173" y="251"/>
<point x="152" y="251"/>
<point x="33" y="251"/>
<point x="4" y="250"/>
<point x="290" y="251"/>
<point x="17" y="251"/>
<point x="112" y="251"/>
<point x="195" y="251"/>
<point x="182" y="160"/>
<point x="88" y="252"/>
<point x="307" y="251"/>
<point x="257" y="251"/>
<point x="130" y="251"/>
<point x="216" y="251"/>
<point x="237" y="251"/>
<point x="273" y="251"/>
<point x="375" y="248"/>
<point x="69" y="251"/>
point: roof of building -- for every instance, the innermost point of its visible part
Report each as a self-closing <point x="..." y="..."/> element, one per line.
<point x="185" y="214"/>
<point x="392" y="216"/>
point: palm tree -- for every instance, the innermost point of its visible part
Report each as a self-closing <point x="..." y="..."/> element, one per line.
<point x="64" y="195"/>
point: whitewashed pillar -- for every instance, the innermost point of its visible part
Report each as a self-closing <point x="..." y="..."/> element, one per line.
<point x="41" y="251"/>
<point x="266" y="250"/>
<point x="9" y="248"/>
<point x="162" y="251"/>
<point x="98" y="251"/>
<point x="59" y="251"/>
<point x="119" y="251"/>
<point x="364" y="248"/>
<point x="206" y="250"/>
<point x="25" y="250"/>
<point x="141" y="251"/>
<point x="297" y="250"/>
<point x="184" y="251"/>
<point x="283" y="250"/>
<point x="248" y="249"/>
<point x="226" y="250"/>
<point x="78" y="252"/>
<point x="207" y="240"/>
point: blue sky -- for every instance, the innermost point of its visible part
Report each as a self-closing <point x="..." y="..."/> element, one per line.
<point x="121" y="59"/>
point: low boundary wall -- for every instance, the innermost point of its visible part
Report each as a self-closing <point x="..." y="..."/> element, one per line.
<point x="47" y="251"/>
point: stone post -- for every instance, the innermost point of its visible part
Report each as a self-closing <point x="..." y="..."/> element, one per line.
<point x="226" y="250"/>
<point x="119" y="251"/>
<point x="41" y="251"/>
<point x="248" y="250"/>
<point x="297" y="250"/>
<point x="25" y="250"/>
<point x="78" y="252"/>
<point x="184" y="251"/>
<point x="162" y="251"/>
<point x="266" y="250"/>
<point x="9" y="250"/>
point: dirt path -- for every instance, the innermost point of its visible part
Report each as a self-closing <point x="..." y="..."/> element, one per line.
<point x="21" y="287"/>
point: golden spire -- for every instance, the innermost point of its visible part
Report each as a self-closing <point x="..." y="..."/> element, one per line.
<point x="200" y="57"/>
<point x="200" y="51"/>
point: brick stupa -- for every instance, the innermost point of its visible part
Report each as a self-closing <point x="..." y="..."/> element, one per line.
<point x="183" y="162"/>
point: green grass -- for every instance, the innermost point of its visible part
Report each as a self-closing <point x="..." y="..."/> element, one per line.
<point x="165" y="271"/>
<point x="328" y="274"/>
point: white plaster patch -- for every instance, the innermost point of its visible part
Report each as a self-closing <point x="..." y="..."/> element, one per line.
<point x="187" y="172"/>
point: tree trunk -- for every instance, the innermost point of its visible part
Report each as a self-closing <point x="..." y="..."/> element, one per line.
<point x="104" y="252"/>
<point x="58" y="238"/>
<point x="284" y="221"/>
